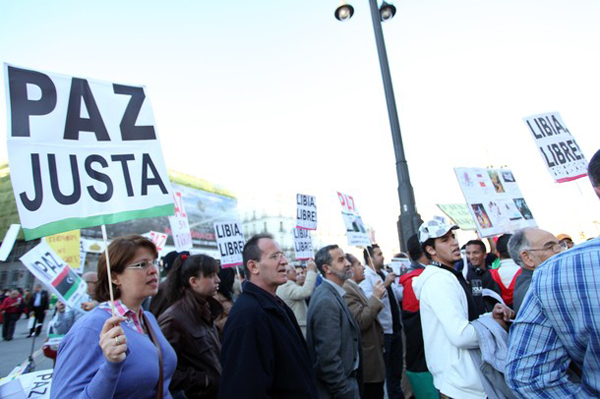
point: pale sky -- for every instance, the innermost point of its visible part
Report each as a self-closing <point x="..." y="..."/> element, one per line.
<point x="277" y="97"/>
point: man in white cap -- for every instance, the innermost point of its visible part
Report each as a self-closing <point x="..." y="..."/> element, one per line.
<point x="447" y="309"/>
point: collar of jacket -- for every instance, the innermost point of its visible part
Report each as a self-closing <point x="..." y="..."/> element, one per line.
<point x="207" y="309"/>
<point x="266" y="300"/>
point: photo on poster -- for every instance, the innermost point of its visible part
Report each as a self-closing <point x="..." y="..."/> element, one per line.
<point x="496" y="181"/>
<point x="508" y="176"/>
<point x="353" y="223"/>
<point x="481" y="215"/>
<point x="523" y="208"/>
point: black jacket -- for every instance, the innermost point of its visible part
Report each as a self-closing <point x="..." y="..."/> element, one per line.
<point x="264" y="354"/>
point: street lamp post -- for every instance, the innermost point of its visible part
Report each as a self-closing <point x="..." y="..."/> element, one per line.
<point x="409" y="219"/>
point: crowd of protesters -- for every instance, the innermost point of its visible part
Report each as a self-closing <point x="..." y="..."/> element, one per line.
<point x="520" y="320"/>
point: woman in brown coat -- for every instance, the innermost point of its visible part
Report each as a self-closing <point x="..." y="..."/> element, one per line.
<point x="188" y="324"/>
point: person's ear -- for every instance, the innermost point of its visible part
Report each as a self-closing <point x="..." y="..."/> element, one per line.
<point x="252" y="266"/>
<point x="193" y="281"/>
<point x="527" y="259"/>
<point x="430" y="250"/>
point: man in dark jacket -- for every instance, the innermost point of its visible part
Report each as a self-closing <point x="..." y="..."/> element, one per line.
<point x="38" y="303"/>
<point x="264" y="354"/>
<point x="332" y="333"/>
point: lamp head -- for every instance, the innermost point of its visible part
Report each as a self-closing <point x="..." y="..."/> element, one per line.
<point x="344" y="12"/>
<point x="386" y="11"/>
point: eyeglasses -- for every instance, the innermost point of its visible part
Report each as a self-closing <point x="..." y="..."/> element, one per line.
<point x="277" y="255"/>
<point x="556" y="247"/>
<point x="143" y="265"/>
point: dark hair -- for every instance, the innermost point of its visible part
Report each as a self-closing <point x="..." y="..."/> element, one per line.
<point x="414" y="247"/>
<point x="351" y="258"/>
<point x="371" y="250"/>
<point x="183" y="269"/>
<point x="227" y="277"/>
<point x="252" y="251"/>
<point x="121" y="251"/>
<point x="478" y="242"/>
<point x="594" y="169"/>
<point x="502" y="246"/>
<point x="430" y="242"/>
<point x="323" y="257"/>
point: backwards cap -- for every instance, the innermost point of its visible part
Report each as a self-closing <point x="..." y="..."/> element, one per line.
<point x="435" y="228"/>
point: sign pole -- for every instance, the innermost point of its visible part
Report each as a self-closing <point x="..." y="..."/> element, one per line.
<point x="112" y="297"/>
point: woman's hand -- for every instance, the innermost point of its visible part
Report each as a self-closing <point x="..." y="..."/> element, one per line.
<point x="113" y="340"/>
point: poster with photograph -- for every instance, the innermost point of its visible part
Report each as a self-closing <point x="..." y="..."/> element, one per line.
<point x="494" y="200"/>
<point x="356" y="232"/>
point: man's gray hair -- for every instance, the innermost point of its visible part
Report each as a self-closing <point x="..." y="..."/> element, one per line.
<point x="517" y="243"/>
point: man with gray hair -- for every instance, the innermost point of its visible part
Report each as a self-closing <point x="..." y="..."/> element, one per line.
<point x="529" y="248"/>
<point x="557" y="330"/>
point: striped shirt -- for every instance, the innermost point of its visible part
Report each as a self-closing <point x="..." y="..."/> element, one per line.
<point x="131" y="318"/>
<point x="559" y="323"/>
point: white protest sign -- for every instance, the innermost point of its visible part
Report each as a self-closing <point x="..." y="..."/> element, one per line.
<point x="34" y="385"/>
<point x="356" y="233"/>
<point x="559" y="150"/>
<point x="81" y="153"/>
<point x="306" y="212"/>
<point x="494" y="200"/>
<point x="159" y="239"/>
<point x="303" y="244"/>
<point x="230" y="240"/>
<point x="180" y="227"/>
<point x="82" y="255"/>
<point x="55" y="273"/>
<point x="9" y="241"/>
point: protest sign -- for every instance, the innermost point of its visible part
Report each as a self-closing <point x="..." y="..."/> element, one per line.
<point x="51" y="270"/>
<point x="34" y="385"/>
<point x="230" y="240"/>
<point x="356" y="233"/>
<point x="159" y="239"/>
<point x="9" y="241"/>
<point x="82" y="256"/>
<point x="180" y="226"/>
<point x="81" y="153"/>
<point x="460" y="214"/>
<point x="559" y="150"/>
<point x="494" y="200"/>
<point x="303" y="244"/>
<point x="306" y="212"/>
<point x="68" y="247"/>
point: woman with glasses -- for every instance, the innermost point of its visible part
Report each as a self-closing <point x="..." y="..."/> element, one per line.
<point x="120" y="356"/>
<point x="189" y="325"/>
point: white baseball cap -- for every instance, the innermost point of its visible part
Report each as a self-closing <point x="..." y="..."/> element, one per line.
<point x="435" y="228"/>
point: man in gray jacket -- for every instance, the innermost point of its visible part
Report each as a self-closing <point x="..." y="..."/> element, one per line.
<point x="333" y="336"/>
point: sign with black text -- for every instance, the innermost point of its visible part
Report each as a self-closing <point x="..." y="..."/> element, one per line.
<point x="306" y="212"/>
<point x="303" y="244"/>
<point x="559" y="150"/>
<point x="81" y="152"/>
<point x="55" y="273"/>
<point x="230" y="240"/>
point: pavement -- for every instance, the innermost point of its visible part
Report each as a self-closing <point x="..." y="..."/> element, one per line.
<point x="14" y="353"/>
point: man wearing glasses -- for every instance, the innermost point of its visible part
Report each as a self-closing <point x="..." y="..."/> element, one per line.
<point x="529" y="248"/>
<point x="554" y="348"/>
<point x="264" y="354"/>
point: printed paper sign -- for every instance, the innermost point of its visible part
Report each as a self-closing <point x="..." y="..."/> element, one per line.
<point x="230" y="240"/>
<point x="557" y="146"/>
<point x="9" y="241"/>
<point x="82" y="256"/>
<point x="180" y="227"/>
<point x="68" y="247"/>
<point x="460" y="214"/>
<point x="303" y="244"/>
<point x="494" y="200"/>
<point x="55" y="273"/>
<point x="356" y="232"/>
<point x="81" y="153"/>
<point x="306" y="212"/>
<point x="159" y="239"/>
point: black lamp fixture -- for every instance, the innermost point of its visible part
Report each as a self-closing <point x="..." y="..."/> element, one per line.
<point x="387" y="11"/>
<point x="344" y="12"/>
